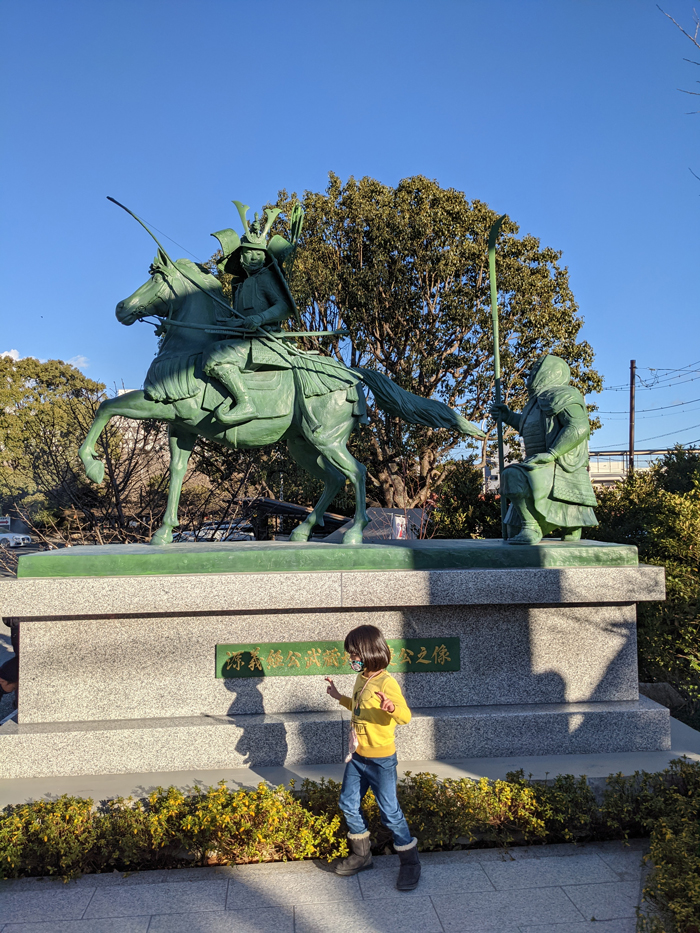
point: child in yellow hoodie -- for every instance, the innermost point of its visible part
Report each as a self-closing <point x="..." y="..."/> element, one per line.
<point x="377" y="706"/>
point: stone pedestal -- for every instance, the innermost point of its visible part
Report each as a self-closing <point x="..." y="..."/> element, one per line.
<point x="117" y="672"/>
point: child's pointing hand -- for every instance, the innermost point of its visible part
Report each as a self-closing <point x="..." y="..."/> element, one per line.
<point x="332" y="689"/>
<point x="385" y="703"/>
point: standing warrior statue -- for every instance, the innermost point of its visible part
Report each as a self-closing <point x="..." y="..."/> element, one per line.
<point x="551" y="488"/>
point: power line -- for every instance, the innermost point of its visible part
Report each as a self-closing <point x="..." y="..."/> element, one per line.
<point x="658" y="383"/>
<point x="625" y="411"/>
<point x="607" y="420"/>
<point x="656" y="437"/>
<point x="643" y="388"/>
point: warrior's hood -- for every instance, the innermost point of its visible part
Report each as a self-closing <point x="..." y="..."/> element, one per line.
<point x="547" y="373"/>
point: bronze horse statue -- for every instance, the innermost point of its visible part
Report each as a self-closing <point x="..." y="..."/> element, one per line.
<point x="310" y="401"/>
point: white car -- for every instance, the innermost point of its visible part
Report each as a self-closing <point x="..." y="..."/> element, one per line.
<point x="9" y="539"/>
<point x="236" y="530"/>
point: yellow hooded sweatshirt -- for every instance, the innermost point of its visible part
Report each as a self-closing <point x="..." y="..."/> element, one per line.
<point x="374" y="727"/>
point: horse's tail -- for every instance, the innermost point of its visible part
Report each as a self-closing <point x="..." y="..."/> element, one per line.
<point x="412" y="408"/>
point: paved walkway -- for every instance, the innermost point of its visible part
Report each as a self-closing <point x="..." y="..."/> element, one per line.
<point x="547" y="889"/>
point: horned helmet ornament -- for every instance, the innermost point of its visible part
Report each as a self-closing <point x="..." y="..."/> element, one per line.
<point x="277" y="248"/>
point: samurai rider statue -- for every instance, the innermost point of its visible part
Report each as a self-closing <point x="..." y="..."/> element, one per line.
<point x="261" y="301"/>
<point x="551" y="488"/>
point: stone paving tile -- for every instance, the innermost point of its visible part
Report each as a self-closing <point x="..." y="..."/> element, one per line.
<point x="256" y="920"/>
<point x="627" y="863"/>
<point x="473" y="913"/>
<point x="270" y="889"/>
<point x="300" y="867"/>
<point x="121" y="878"/>
<point x="37" y="905"/>
<point x="163" y="898"/>
<point x="34" y="884"/>
<point x="110" y="925"/>
<point x="390" y="915"/>
<point x="216" y="873"/>
<point x="548" y="872"/>
<point x="626" y="925"/>
<point x="605" y="901"/>
<point x="435" y="879"/>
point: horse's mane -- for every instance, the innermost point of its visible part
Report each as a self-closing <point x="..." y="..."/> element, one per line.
<point x="201" y="275"/>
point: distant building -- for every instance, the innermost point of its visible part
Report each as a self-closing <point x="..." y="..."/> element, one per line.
<point x="608" y="467"/>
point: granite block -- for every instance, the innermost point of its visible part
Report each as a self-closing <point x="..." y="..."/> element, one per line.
<point x="106" y="925"/>
<point x="182" y="744"/>
<point x="182" y="593"/>
<point x="113" y="746"/>
<point x="137" y="667"/>
<point x="396" y="914"/>
<point x="503" y="587"/>
<point x="440" y="879"/>
<point x="543" y="729"/>
<point x="548" y="872"/>
<point x="33" y="905"/>
<point x="257" y="920"/>
<point x="279" y="888"/>
<point x="606" y="901"/>
<point x="216" y="593"/>
<point x="157" y="899"/>
<point x="475" y="913"/>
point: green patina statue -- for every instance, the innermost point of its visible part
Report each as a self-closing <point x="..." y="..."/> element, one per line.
<point x="551" y="489"/>
<point x="261" y="297"/>
<point x="228" y="372"/>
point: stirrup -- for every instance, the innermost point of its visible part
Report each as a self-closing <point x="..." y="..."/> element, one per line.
<point x="243" y="411"/>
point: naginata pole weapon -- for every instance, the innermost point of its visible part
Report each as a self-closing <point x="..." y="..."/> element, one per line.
<point x="493" y="236"/>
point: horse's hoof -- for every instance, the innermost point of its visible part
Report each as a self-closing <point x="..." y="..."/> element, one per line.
<point x="164" y="535"/>
<point x="353" y="536"/>
<point x="300" y="533"/>
<point x="95" y="470"/>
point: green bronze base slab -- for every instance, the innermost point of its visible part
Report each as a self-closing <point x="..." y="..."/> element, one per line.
<point x="118" y="560"/>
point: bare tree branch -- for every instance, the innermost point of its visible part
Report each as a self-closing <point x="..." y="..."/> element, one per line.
<point x="693" y="38"/>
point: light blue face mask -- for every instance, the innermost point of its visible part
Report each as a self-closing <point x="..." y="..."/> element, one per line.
<point x="357" y="666"/>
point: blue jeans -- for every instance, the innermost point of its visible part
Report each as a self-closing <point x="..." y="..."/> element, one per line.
<point x="379" y="774"/>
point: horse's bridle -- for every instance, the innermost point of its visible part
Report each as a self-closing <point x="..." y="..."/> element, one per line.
<point x="159" y="269"/>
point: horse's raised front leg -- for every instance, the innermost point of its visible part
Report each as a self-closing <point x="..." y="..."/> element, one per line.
<point x="181" y="444"/>
<point x="130" y="405"/>
<point x="311" y="460"/>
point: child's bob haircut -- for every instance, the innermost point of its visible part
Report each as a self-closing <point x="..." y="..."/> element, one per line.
<point x="368" y="643"/>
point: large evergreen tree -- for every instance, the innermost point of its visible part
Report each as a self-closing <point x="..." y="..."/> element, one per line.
<point x="405" y="271"/>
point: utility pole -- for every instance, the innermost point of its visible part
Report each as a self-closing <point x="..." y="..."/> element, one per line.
<point x="633" y="380"/>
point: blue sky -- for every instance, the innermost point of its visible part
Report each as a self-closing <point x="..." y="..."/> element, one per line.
<point x="563" y="113"/>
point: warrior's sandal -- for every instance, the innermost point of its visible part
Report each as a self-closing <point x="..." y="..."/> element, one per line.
<point x="528" y="534"/>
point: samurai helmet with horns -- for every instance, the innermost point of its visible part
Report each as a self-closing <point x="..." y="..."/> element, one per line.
<point x="277" y="248"/>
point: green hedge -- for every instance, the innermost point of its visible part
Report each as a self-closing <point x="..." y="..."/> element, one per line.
<point x="68" y="836"/>
<point x="168" y="829"/>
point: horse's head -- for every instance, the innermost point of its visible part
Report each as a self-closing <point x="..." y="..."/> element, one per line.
<point x="156" y="296"/>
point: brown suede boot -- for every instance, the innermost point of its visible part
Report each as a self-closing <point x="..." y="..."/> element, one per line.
<point x="409" y="873"/>
<point x="360" y="855"/>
